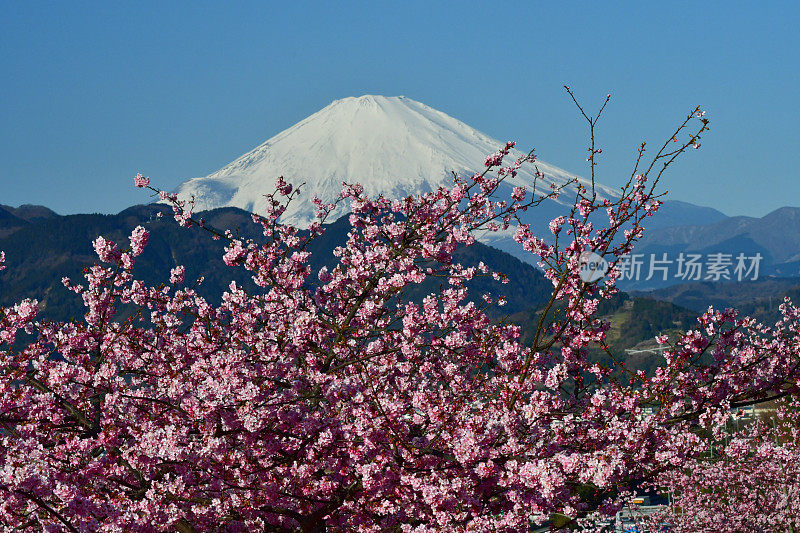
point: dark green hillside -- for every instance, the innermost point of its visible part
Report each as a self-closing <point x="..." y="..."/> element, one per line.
<point x="42" y="250"/>
<point x="634" y="324"/>
<point x="759" y="299"/>
<point x="39" y="253"/>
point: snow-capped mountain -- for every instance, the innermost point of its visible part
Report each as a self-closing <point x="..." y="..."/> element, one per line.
<point x="391" y="145"/>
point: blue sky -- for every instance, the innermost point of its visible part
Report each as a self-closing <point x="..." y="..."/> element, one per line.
<point x="94" y="92"/>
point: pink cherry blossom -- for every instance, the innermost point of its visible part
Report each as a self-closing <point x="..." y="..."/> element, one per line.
<point x="141" y="181"/>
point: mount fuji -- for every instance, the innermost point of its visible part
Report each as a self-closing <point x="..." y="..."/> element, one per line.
<point x="393" y="146"/>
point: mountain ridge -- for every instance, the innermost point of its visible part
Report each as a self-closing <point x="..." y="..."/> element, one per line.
<point x="778" y="231"/>
<point x="39" y="254"/>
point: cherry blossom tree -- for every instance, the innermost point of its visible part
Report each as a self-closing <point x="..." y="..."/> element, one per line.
<point x="332" y="401"/>
<point x="750" y="481"/>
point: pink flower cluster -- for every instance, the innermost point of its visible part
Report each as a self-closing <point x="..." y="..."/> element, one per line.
<point x="496" y="159"/>
<point x="138" y="240"/>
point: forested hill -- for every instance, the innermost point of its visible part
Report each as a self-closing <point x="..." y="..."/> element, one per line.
<point x="40" y="251"/>
<point x="635" y="322"/>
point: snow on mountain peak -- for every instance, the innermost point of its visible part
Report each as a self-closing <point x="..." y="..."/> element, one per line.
<point x="391" y="145"/>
